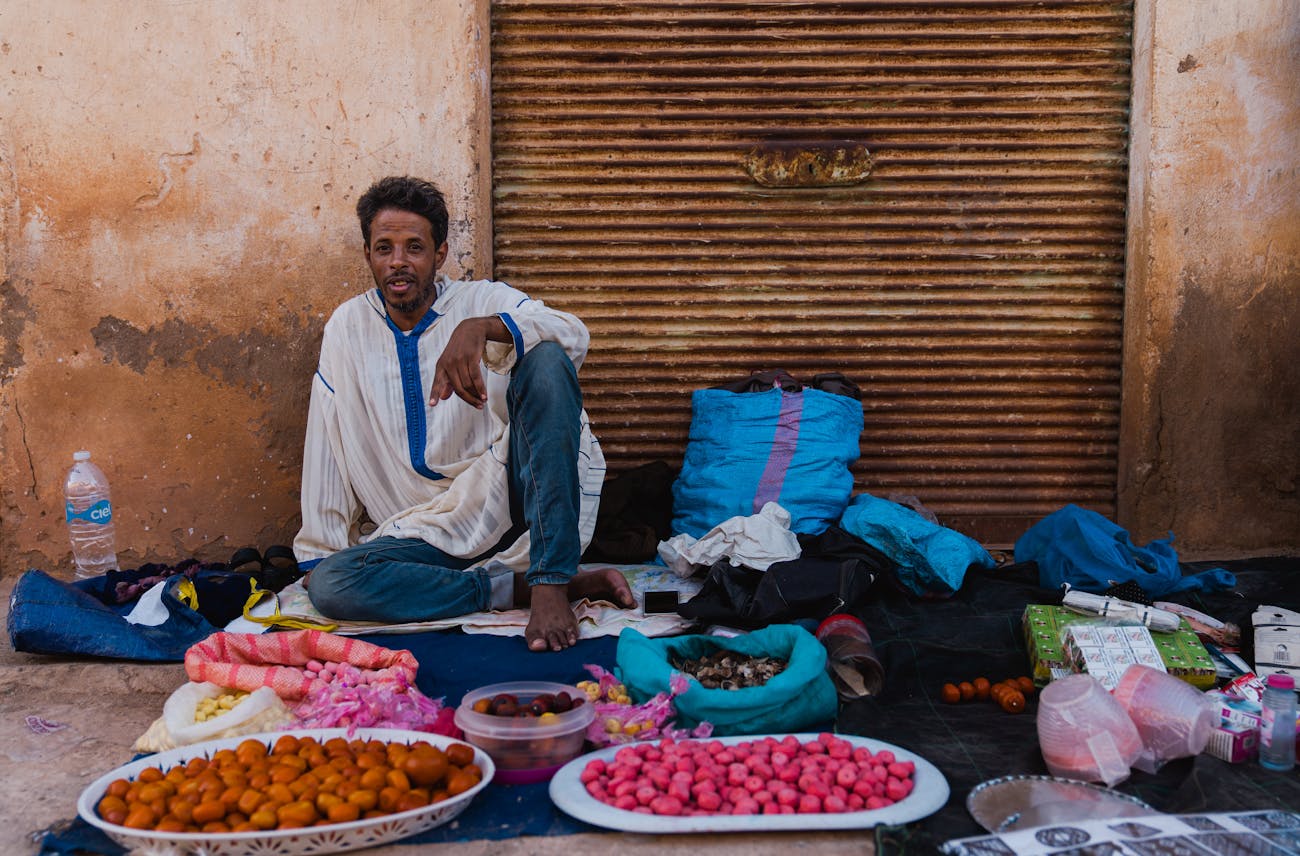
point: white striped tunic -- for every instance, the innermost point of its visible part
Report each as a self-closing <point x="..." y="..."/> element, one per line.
<point x="436" y="473"/>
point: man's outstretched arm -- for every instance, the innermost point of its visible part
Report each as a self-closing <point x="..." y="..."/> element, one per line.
<point x="459" y="368"/>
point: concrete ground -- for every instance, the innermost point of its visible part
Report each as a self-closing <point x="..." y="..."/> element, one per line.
<point x="103" y="706"/>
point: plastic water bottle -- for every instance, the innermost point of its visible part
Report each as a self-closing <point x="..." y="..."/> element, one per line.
<point x="89" y="512"/>
<point x="1277" y="725"/>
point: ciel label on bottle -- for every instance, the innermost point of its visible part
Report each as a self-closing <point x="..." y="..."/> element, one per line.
<point x="100" y="512"/>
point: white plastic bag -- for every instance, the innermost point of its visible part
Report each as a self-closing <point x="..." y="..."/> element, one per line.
<point x="1173" y="718"/>
<point x="1084" y="733"/>
<point x="260" y="710"/>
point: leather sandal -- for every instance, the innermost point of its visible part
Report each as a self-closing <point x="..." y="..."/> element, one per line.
<point x="246" y="560"/>
<point x="279" y="567"/>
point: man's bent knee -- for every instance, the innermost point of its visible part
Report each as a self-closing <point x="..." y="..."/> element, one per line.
<point x="546" y="359"/>
<point x="546" y="374"/>
<point x="331" y="586"/>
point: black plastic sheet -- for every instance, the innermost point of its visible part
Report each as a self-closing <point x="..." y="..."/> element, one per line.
<point x="977" y="632"/>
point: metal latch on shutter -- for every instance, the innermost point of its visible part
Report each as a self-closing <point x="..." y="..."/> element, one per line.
<point x="808" y="163"/>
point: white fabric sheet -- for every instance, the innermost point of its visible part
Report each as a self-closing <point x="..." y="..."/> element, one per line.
<point x="758" y="541"/>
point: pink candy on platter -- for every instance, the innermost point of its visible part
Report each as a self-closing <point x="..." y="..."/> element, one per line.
<point x="766" y="775"/>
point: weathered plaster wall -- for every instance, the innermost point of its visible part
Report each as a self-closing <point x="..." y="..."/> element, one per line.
<point x="177" y="183"/>
<point x="1210" y="445"/>
<point x="176" y="192"/>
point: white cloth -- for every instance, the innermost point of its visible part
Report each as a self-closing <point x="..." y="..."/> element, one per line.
<point x="149" y="610"/>
<point x="595" y="618"/>
<point x="758" y="541"/>
<point x="363" y="429"/>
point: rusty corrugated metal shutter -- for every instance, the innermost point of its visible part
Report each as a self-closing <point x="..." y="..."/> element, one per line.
<point x="971" y="284"/>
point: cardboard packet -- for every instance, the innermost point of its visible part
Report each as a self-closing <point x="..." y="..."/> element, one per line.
<point x="1277" y="642"/>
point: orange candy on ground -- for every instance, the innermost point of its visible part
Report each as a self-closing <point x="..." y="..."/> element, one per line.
<point x="1009" y="695"/>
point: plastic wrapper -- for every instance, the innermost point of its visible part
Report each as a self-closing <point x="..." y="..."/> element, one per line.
<point x="619" y="721"/>
<point x="261" y="710"/>
<point x="1117" y="611"/>
<point x="1173" y="719"/>
<point x="1084" y="733"/>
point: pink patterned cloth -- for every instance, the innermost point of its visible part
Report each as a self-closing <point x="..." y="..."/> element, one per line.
<point x="248" y="661"/>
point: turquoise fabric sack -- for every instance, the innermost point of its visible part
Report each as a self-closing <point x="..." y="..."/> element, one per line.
<point x="800" y="698"/>
<point x="932" y="560"/>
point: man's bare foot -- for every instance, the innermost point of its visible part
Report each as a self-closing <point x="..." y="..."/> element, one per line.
<point x="551" y="622"/>
<point x="602" y="584"/>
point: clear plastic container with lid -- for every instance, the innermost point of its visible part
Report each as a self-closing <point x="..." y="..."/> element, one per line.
<point x="526" y="748"/>
<point x="88" y="509"/>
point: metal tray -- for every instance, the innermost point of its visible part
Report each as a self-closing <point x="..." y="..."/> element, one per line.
<point x="1021" y="802"/>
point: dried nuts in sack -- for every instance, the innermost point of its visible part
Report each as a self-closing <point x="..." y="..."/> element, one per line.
<point x="729" y="670"/>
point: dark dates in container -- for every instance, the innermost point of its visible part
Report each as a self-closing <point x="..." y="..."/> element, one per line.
<point x="508" y="704"/>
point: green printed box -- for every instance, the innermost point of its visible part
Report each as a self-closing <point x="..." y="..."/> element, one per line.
<point x="1182" y="653"/>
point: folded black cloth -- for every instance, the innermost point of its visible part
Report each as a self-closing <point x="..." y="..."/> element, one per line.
<point x="834" y="573"/>
<point x="636" y="513"/>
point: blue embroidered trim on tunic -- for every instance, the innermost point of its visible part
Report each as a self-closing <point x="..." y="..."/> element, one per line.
<point x="514" y="333"/>
<point x="408" y="361"/>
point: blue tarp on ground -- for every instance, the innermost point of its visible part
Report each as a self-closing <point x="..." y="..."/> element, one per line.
<point x="452" y="664"/>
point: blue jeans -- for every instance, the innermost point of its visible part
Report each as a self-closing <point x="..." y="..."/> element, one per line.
<point x="406" y="579"/>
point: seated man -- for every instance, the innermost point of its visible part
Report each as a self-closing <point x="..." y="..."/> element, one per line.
<point x="469" y="492"/>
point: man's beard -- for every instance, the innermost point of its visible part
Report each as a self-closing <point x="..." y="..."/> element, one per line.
<point x="415" y="299"/>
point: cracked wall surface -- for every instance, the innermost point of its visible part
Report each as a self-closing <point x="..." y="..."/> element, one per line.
<point x="1210" y="437"/>
<point x="177" y="191"/>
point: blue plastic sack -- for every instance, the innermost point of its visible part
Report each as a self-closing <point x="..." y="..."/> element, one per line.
<point x="800" y="697"/>
<point x="932" y="559"/>
<point x="1083" y="548"/>
<point x="746" y="449"/>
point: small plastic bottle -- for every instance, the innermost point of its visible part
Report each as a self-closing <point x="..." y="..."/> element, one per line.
<point x="1277" y="725"/>
<point x="850" y="657"/>
<point x="89" y="512"/>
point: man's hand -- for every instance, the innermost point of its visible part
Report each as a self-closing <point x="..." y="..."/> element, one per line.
<point x="459" y="369"/>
